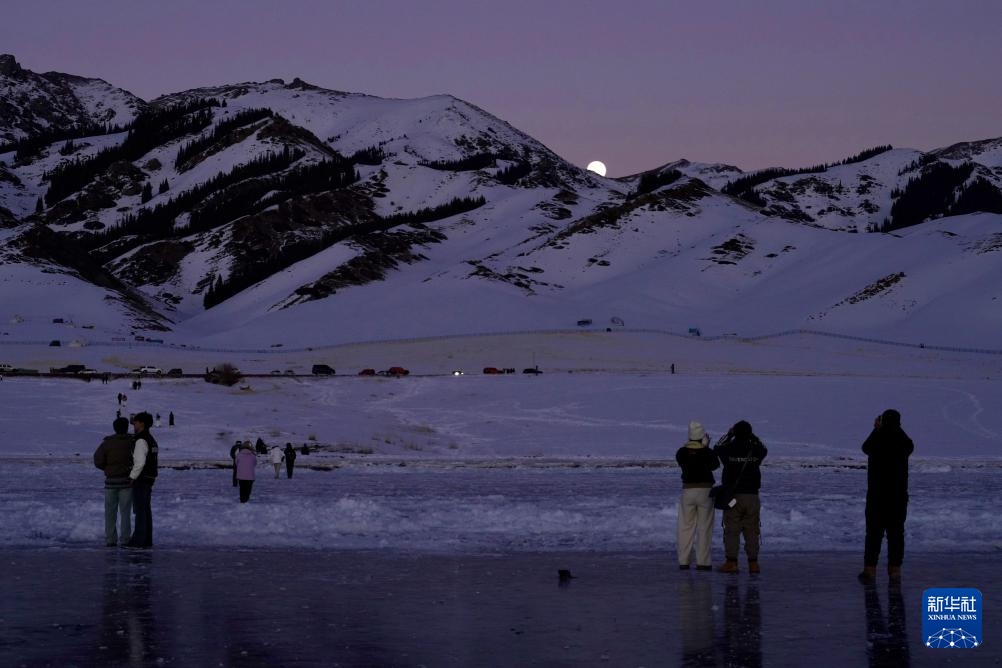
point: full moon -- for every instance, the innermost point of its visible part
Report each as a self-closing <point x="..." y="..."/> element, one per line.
<point x="597" y="166"/>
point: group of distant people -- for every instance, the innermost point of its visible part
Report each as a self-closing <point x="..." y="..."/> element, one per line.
<point x="741" y="453"/>
<point x="244" y="457"/>
<point x="130" y="467"/>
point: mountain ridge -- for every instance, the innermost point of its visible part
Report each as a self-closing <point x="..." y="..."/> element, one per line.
<point x="250" y="206"/>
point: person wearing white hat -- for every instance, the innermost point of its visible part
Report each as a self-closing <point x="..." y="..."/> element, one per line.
<point x="695" y="510"/>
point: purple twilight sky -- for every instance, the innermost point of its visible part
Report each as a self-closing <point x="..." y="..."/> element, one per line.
<point x="635" y="84"/>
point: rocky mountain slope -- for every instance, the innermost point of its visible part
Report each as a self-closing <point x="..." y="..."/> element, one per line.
<point x="261" y="211"/>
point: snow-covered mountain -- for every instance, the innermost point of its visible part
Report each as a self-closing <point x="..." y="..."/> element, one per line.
<point x="261" y="213"/>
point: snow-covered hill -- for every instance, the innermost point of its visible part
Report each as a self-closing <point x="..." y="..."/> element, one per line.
<point x="262" y="213"/>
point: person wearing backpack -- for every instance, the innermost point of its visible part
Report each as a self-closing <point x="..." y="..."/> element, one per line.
<point x="741" y="454"/>
<point x="695" y="509"/>
<point x="114" y="457"/>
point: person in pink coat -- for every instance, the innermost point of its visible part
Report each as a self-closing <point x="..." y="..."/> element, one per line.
<point x="246" y="463"/>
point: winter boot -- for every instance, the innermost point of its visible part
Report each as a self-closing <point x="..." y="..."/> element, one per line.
<point x="704" y="568"/>
<point x="730" y="566"/>
<point x="683" y="567"/>
<point x="753" y="566"/>
<point x="894" y="572"/>
<point x="869" y="575"/>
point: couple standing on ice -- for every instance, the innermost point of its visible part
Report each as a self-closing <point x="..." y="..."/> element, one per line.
<point x="741" y="453"/>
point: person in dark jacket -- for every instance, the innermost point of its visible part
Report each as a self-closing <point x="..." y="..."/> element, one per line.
<point x="887" y="449"/>
<point x="695" y="510"/>
<point x="260" y="446"/>
<point x="290" y="459"/>
<point x="114" y="457"/>
<point x="143" y="475"/>
<point x="233" y="456"/>
<point x="741" y="453"/>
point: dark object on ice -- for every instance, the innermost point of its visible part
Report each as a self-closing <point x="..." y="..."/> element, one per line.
<point x="55" y="342"/>
<point x="175" y="373"/>
<point x="305" y="449"/>
<point x="584" y="322"/>
<point x="533" y="370"/>
<point x="170" y="419"/>
<point x="323" y="370"/>
<point x="564" y="575"/>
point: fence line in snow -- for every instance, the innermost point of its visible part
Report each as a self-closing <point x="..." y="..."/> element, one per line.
<point x="579" y="330"/>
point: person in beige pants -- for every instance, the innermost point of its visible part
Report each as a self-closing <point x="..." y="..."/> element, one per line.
<point x="695" y="510"/>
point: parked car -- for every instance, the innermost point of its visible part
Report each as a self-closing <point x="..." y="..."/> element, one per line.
<point x="367" y="372"/>
<point x="290" y="372"/>
<point x="6" y="368"/>
<point x="55" y="343"/>
<point x="69" y="368"/>
<point x="491" y="370"/>
<point x="276" y="372"/>
<point x="149" y="371"/>
<point x="397" y="371"/>
<point x="323" y="370"/>
<point x="175" y="372"/>
<point x="533" y="370"/>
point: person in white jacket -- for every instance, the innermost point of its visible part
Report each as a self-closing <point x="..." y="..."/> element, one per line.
<point x="277" y="458"/>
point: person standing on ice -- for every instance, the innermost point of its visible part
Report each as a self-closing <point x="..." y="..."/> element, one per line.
<point x="233" y="456"/>
<point x="114" y="457"/>
<point x="290" y="459"/>
<point x="695" y="510"/>
<point x="741" y="454"/>
<point x="276" y="458"/>
<point x="246" y="463"/>
<point x="143" y="475"/>
<point x="887" y="449"/>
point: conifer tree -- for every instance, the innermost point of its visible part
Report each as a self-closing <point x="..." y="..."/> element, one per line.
<point x="39" y="207"/>
<point x="147" y="193"/>
<point x="164" y="187"/>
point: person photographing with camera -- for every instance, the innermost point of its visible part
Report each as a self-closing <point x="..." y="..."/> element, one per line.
<point x="887" y="449"/>
<point x="741" y="453"/>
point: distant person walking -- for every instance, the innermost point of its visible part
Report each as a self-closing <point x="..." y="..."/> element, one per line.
<point x="276" y="459"/>
<point x="741" y="453"/>
<point x="170" y="419"/>
<point x="887" y="449"/>
<point x="290" y="459"/>
<point x="158" y="421"/>
<point x="114" y="457"/>
<point x="246" y="463"/>
<point x="143" y="475"/>
<point x="695" y="510"/>
<point x="233" y="456"/>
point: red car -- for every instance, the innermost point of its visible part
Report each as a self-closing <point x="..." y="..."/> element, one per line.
<point x="491" y="370"/>
<point x="367" y="372"/>
<point x="397" y="371"/>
